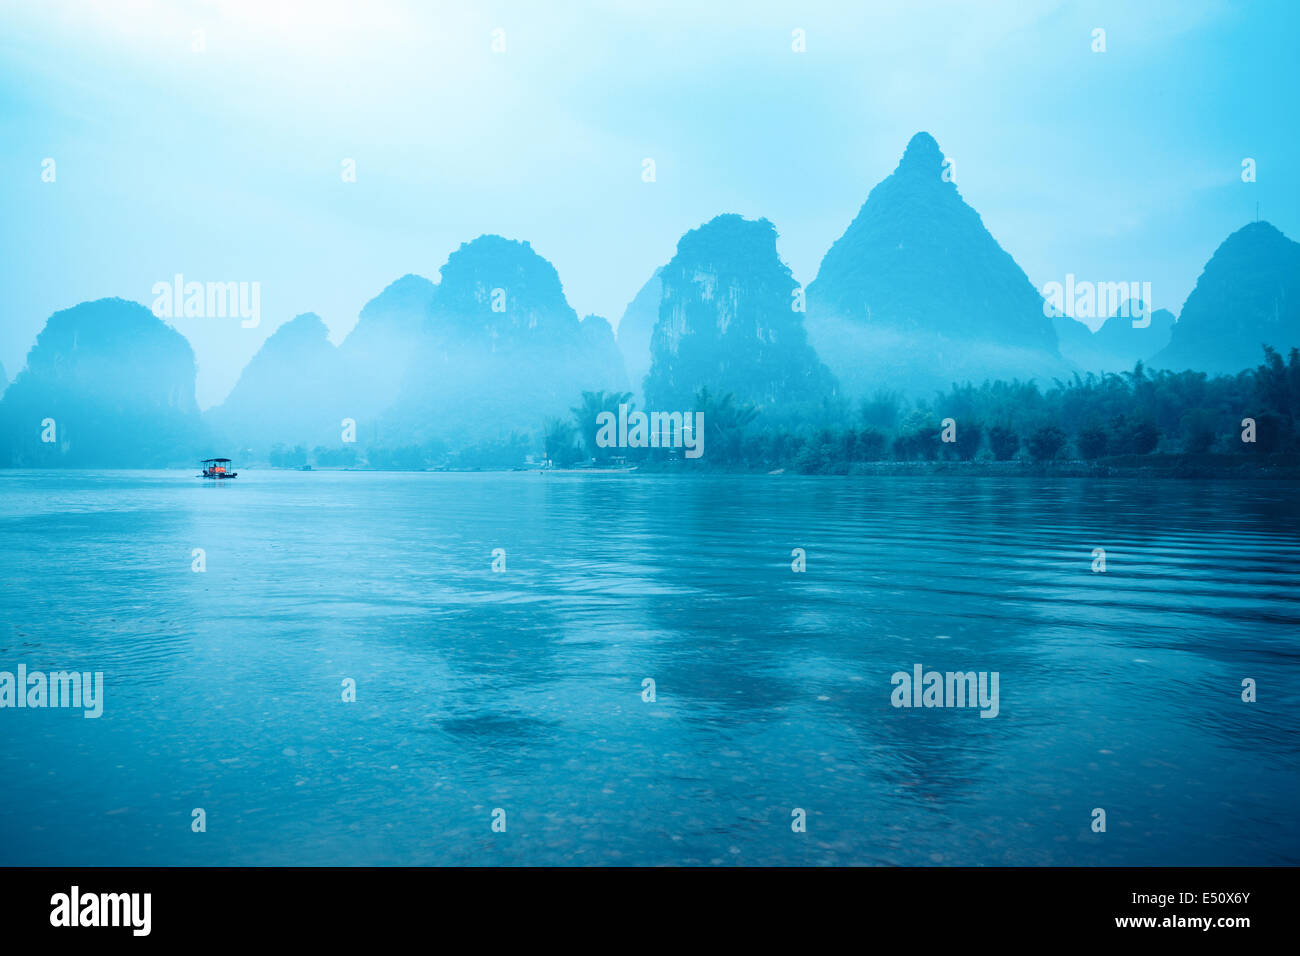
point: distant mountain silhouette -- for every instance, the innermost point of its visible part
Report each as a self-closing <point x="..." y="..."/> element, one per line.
<point x="289" y="392"/>
<point x="917" y="294"/>
<point x="501" y="349"/>
<point x="601" y="345"/>
<point x="1118" y="336"/>
<point x="1074" y="340"/>
<point x="635" y="329"/>
<point x="1116" y="346"/>
<point x="116" y="382"/>
<point x="1248" y="296"/>
<point x="493" y="349"/>
<point x="726" y="322"/>
<point x="380" y="348"/>
<point x="4" y="379"/>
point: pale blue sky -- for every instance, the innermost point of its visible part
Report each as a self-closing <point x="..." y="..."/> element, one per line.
<point x="225" y="164"/>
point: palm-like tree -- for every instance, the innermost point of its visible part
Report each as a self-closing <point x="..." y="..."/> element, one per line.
<point x="558" y="440"/>
<point x="723" y="415"/>
<point x="724" y="421"/>
<point x="593" y="403"/>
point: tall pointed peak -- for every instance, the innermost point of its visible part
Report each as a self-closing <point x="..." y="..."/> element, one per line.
<point x="922" y="157"/>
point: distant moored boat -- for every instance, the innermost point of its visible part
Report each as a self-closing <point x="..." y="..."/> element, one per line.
<point x="217" y="468"/>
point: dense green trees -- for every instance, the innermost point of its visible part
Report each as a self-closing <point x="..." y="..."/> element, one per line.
<point x="1003" y="443"/>
<point x="1045" y="443"/>
<point x="344" y="457"/>
<point x="281" y="457"/>
<point x="1088" y="418"/>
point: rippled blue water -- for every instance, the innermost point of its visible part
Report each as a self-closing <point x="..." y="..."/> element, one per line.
<point x="522" y="690"/>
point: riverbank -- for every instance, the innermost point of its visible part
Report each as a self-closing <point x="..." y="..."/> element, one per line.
<point x="1244" y="466"/>
<point x="1121" y="466"/>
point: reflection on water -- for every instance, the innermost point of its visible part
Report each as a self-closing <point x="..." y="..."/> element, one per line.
<point x="522" y="690"/>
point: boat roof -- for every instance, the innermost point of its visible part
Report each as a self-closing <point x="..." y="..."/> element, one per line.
<point x="206" y="460"/>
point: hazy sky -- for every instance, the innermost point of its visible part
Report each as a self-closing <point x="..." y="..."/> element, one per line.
<point x="225" y="164"/>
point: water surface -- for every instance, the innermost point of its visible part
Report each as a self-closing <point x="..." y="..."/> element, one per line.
<point x="522" y="690"/>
